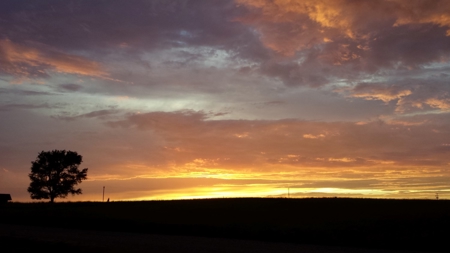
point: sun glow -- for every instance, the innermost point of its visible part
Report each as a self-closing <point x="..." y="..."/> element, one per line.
<point x="218" y="191"/>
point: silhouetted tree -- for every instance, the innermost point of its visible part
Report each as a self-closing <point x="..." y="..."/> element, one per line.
<point x="54" y="174"/>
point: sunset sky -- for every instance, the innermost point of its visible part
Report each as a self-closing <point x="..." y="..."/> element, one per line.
<point x="169" y="99"/>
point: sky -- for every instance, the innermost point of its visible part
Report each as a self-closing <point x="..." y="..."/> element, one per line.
<point x="180" y="99"/>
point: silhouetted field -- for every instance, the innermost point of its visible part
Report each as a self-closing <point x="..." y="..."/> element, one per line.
<point x="369" y="223"/>
<point x="13" y="244"/>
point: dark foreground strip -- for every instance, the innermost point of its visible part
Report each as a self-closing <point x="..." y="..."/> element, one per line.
<point x="51" y="240"/>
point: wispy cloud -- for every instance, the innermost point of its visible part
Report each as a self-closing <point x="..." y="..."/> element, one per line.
<point x="31" y="62"/>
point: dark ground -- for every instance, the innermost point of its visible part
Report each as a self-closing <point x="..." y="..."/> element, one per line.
<point x="413" y="225"/>
<point x="18" y="238"/>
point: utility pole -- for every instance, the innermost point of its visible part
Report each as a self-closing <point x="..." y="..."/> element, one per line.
<point x="103" y="198"/>
<point x="289" y="195"/>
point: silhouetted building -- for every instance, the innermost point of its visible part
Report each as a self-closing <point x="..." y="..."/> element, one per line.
<point x="4" y="198"/>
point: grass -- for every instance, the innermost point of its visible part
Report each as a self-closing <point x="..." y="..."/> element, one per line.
<point x="370" y="223"/>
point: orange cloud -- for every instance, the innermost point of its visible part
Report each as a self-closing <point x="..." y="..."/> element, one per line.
<point x="25" y="61"/>
<point x="385" y="97"/>
<point x="384" y="94"/>
<point x="311" y="136"/>
<point x="409" y="97"/>
<point x="343" y="159"/>
<point x="443" y="104"/>
<point x="288" y="26"/>
<point x="420" y="12"/>
<point x="212" y="147"/>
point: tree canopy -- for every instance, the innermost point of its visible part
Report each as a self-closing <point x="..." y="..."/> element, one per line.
<point x="55" y="174"/>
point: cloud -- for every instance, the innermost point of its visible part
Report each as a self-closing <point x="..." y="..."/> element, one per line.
<point x="324" y="40"/>
<point x="294" y="74"/>
<point x="378" y="92"/>
<point x="436" y="12"/>
<point x="443" y="104"/>
<point x="8" y="107"/>
<point x="69" y="87"/>
<point x="30" y="62"/>
<point x="24" y="92"/>
<point x="311" y="136"/>
<point x="349" y="18"/>
<point x="191" y="137"/>
<point x="137" y="27"/>
<point x="410" y="94"/>
<point x="192" y="144"/>
<point x="101" y="114"/>
<point x="365" y="33"/>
